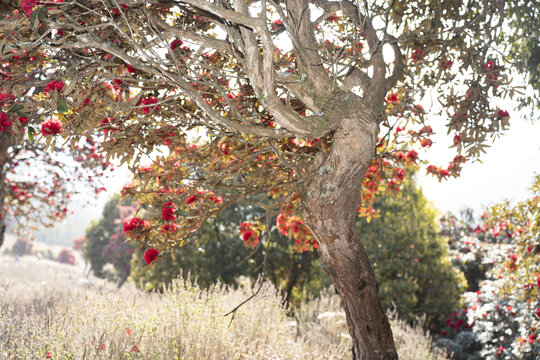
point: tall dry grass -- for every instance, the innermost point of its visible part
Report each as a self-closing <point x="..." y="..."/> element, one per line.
<point x="68" y="319"/>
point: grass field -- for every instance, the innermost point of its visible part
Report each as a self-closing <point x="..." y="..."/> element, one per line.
<point x="48" y="310"/>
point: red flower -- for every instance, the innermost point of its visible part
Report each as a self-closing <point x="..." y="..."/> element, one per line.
<point x="176" y="43"/>
<point x="392" y="98"/>
<point x="134" y="348"/>
<point x="457" y="139"/>
<point x="503" y="114"/>
<point x="417" y="55"/>
<point x="23" y="120"/>
<point x="6" y="97"/>
<point x="130" y="69"/>
<point x="191" y="199"/>
<point x="48" y="355"/>
<point x="148" y="101"/>
<point x="426" y="142"/>
<point x="28" y="6"/>
<point x="54" y="85"/>
<point x="105" y="122"/>
<point x="446" y="64"/>
<point x="168" y="210"/>
<point x="51" y="127"/>
<point x="412" y="155"/>
<point x="5" y="122"/>
<point x="149" y="257"/>
<point x="132" y="223"/>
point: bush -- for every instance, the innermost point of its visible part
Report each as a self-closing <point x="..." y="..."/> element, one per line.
<point x="23" y="246"/>
<point x="79" y="242"/>
<point x="66" y="256"/>
<point x="501" y="319"/>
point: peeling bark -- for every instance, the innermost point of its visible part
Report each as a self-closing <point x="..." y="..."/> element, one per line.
<point x="330" y="200"/>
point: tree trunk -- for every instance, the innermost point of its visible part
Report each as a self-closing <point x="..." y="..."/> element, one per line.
<point x="330" y="200"/>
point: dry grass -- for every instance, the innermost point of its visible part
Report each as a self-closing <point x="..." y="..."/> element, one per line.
<point x="73" y="320"/>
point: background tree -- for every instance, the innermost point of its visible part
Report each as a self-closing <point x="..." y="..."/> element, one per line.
<point x="410" y="259"/>
<point x="38" y="176"/>
<point x="106" y="243"/>
<point x="302" y="124"/>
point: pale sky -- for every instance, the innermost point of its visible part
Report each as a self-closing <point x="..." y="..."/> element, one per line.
<point x="506" y="171"/>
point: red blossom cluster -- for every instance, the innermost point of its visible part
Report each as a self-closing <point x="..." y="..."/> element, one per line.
<point x="204" y="194"/>
<point x="417" y="55"/>
<point x="289" y="224"/>
<point x="51" y="127"/>
<point x="135" y="223"/>
<point x="249" y="234"/>
<point x="54" y="85"/>
<point x="446" y="64"/>
<point x="392" y="98"/>
<point x="149" y="101"/>
<point x="455" y="323"/>
<point x="150" y="256"/>
<point x="168" y="211"/>
<point x="176" y="43"/>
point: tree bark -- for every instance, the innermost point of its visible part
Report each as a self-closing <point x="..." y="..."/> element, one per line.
<point x="330" y="200"/>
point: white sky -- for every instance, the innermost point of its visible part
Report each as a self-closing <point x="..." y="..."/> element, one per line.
<point x="506" y="171"/>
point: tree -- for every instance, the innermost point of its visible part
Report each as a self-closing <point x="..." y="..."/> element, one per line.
<point x="501" y="314"/>
<point x="36" y="184"/>
<point x="301" y="100"/>
<point x="410" y="259"/>
<point x="106" y="243"/>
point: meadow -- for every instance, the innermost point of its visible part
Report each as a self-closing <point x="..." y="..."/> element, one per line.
<point x="50" y="311"/>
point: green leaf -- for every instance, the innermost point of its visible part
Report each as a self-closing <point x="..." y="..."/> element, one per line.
<point x="41" y="14"/>
<point x="15" y="107"/>
<point x="61" y="106"/>
<point x="31" y="132"/>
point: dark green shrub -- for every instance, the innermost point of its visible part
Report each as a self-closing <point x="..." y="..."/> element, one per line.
<point x="23" y="246"/>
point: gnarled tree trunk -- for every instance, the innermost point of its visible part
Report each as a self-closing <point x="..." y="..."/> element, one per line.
<point x="330" y="200"/>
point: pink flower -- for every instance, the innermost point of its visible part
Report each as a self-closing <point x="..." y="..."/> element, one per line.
<point x="54" y="85"/>
<point x="51" y="127"/>
<point x="149" y="257"/>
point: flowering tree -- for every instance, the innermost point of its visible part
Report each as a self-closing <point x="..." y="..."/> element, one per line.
<point x="38" y="175"/>
<point x="106" y="242"/>
<point x="318" y="104"/>
<point x="501" y="317"/>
